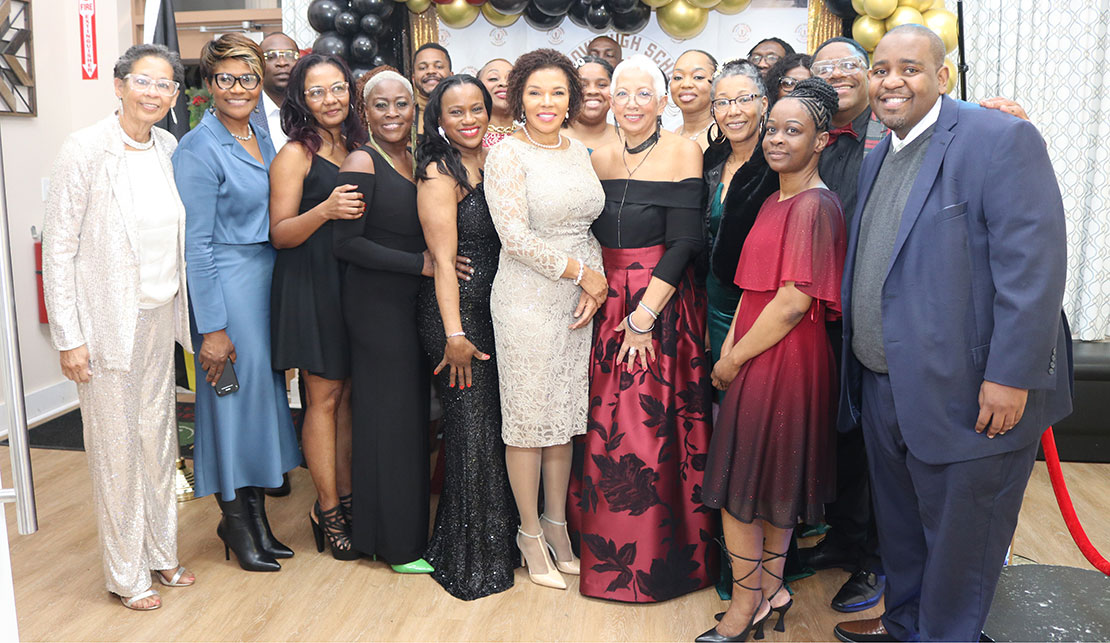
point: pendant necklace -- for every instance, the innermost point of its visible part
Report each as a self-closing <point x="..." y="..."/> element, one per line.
<point x="651" y="141"/>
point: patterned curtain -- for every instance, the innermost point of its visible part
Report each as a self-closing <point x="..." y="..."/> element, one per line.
<point x="1051" y="56"/>
<point x="822" y="25"/>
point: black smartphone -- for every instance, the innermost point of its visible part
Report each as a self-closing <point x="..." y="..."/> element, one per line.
<point x="228" y="382"/>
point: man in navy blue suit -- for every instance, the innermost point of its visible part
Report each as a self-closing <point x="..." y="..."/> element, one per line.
<point x="957" y="355"/>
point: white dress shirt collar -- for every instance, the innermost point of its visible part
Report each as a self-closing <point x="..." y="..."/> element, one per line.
<point x="272" y="112"/>
<point x="925" y="123"/>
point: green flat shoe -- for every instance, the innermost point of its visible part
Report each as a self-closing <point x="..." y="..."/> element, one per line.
<point x="418" y="566"/>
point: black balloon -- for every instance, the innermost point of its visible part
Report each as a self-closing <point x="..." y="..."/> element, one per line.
<point x="555" y="8"/>
<point x="377" y="7"/>
<point x="322" y="13"/>
<point x="577" y="13"/>
<point x="622" y="6"/>
<point x="632" y="21"/>
<point x="332" y="43"/>
<point x="841" y="8"/>
<point x="509" y="7"/>
<point x="358" y="72"/>
<point x="363" y="48"/>
<point x="371" y="25"/>
<point x="540" y="20"/>
<point x="379" y="61"/>
<point x="346" y="23"/>
<point x="591" y="3"/>
<point x="599" y="18"/>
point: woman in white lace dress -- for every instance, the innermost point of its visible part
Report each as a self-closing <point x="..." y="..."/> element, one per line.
<point x="543" y="196"/>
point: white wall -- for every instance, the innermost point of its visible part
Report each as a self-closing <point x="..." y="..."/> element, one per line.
<point x="65" y="104"/>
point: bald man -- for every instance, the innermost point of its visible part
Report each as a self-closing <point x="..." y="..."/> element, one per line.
<point x="606" y="49"/>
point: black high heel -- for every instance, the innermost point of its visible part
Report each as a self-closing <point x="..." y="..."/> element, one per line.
<point x="755" y="625"/>
<point x="255" y="498"/>
<point x="237" y="533"/>
<point x="331" y="524"/>
<point x="345" y="503"/>
<point x="782" y="609"/>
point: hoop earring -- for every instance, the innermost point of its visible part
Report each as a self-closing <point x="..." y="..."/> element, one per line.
<point x="719" y="137"/>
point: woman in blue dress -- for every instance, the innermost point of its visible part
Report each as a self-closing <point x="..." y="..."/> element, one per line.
<point x="245" y="439"/>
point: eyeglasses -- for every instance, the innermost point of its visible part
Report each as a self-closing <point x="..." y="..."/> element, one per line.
<point x="850" y="65"/>
<point x="227" y="81"/>
<point x="316" y="94"/>
<point x="282" y="54"/>
<point x="143" y="83"/>
<point x="722" y="104"/>
<point x="789" y="82"/>
<point x="643" y="97"/>
<point x="770" y="59"/>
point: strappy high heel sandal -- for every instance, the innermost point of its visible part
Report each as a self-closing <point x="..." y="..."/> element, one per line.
<point x="550" y="578"/>
<point x="345" y="503"/>
<point x="572" y="566"/>
<point x="782" y="609"/>
<point x="175" y="579"/>
<point x="331" y="524"/>
<point x="130" y="601"/>
<point x="755" y="625"/>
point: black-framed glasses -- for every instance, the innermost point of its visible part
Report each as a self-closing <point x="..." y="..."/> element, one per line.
<point x="226" y="81"/>
<point x="849" y="65"/>
<point x="643" y="97"/>
<point x="290" y="55"/>
<point x="143" y="83"/>
<point x="722" y="104"/>
<point x="770" y="59"/>
<point x="316" y="94"/>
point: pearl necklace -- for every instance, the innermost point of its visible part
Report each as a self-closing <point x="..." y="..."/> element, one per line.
<point x="130" y="142"/>
<point x="546" y="147"/>
<point x="249" y="136"/>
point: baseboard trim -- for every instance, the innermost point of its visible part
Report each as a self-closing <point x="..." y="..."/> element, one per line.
<point x="44" y="404"/>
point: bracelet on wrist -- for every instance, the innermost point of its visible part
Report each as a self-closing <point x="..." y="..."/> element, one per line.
<point x="636" y="329"/>
<point x="581" y="272"/>
<point x="458" y="334"/>
<point x="654" y="315"/>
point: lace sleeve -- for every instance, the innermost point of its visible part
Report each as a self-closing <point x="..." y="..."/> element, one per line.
<point x="507" y="195"/>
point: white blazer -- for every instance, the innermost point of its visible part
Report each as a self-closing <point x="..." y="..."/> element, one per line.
<point x="90" y="247"/>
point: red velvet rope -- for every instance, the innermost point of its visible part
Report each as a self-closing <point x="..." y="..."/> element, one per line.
<point x="1060" y="488"/>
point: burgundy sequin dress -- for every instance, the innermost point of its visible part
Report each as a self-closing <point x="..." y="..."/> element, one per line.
<point x="772" y="455"/>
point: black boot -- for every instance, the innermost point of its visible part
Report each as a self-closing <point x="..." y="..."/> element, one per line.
<point x="283" y="490"/>
<point x="256" y="512"/>
<point x="238" y="534"/>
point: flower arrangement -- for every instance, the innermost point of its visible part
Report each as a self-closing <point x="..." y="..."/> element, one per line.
<point x="199" y="100"/>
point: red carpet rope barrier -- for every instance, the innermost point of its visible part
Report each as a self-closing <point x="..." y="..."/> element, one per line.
<point x="1063" y="498"/>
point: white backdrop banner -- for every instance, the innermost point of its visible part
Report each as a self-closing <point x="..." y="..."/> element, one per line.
<point x="726" y="37"/>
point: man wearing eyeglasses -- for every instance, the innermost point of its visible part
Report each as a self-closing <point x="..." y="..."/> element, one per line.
<point x="767" y="52"/>
<point x="279" y="54"/>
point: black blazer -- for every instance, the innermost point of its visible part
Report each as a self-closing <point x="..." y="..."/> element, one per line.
<point x="750" y="187"/>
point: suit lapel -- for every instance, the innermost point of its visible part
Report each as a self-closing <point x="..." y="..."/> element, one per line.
<point x="926" y="176"/>
<point x="867" y="181"/>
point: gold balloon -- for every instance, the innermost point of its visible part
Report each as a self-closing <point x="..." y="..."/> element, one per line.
<point x="937" y="4"/>
<point x="868" y="31"/>
<point x="953" y="76"/>
<point x="904" y="16"/>
<point x="733" y="7"/>
<point x="920" y="5"/>
<point x="681" y="20"/>
<point x="704" y="4"/>
<point x="944" y="24"/>
<point x="458" y="13"/>
<point x="496" y="18"/>
<point x="418" y="6"/>
<point x="655" y="4"/>
<point x="857" y="6"/>
<point x="879" y="9"/>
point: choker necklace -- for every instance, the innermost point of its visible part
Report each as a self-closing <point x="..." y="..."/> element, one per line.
<point x="130" y="142"/>
<point x="651" y="140"/>
<point x="507" y="129"/>
<point x="249" y="136"/>
<point x="546" y="147"/>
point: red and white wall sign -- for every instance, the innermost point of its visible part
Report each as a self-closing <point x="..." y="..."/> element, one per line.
<point x="86" y="12"/>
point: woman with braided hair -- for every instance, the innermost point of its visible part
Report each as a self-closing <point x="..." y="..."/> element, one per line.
<point x="771" y="457"/>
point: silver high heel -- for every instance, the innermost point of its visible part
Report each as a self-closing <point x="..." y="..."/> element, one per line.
<point x="572" y="566"/>
<point x="551" y="577"/>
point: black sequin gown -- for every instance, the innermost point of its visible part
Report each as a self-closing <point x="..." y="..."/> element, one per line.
<point x="472" y="547"/>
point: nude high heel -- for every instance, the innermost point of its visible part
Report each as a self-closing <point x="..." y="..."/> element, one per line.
<point x="550" y="578"/>
<point x="572" y="566"/>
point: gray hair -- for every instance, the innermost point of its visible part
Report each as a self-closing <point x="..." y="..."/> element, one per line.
<point x="138" y="52"/>
<point x="385" y="74"/>
<point x="738" y="67"/>
<point x="642" y="63"/>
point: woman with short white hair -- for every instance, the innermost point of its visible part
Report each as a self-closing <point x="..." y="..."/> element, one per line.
<point x="637" y="488"/>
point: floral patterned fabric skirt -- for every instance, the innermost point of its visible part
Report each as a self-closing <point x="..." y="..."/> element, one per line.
<point x="635" y="497"/>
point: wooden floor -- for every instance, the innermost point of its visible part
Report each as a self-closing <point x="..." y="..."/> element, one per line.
<point x="60" y="592"/>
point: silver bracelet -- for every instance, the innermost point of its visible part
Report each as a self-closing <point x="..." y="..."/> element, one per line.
<point x="632" y="327"/>
<point x="458" y="334"/>
<point x="654" y="315"/>
<point x="581" y="271"/>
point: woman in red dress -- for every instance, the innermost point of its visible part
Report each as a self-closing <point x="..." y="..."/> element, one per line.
<point x="771" y="458"/>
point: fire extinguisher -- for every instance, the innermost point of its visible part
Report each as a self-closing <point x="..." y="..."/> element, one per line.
<point x="36" y="237"/>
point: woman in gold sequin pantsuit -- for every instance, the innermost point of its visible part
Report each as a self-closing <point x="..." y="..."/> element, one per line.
<point x="114" y="278"/>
